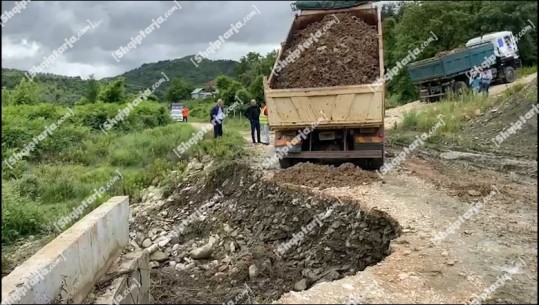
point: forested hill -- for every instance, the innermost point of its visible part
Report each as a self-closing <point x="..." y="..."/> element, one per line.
<point x="53" y="88"/>
<point x="406" y="26"/>
<point x="147" y="74"/>
<point x="67" y="90"/>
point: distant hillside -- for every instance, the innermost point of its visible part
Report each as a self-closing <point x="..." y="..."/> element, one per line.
<point x="65" y="89"/>
<point x="147" y="74"/>
<point x="55" y="88"/>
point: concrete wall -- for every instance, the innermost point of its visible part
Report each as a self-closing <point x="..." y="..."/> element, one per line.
<point x="129" y="279"/>
<point x="66" y="269"/>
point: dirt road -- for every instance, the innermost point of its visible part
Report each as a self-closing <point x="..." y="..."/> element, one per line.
<point x="468" y="234"/>
<point x="425" y="197"/>
<point x="395" y="115"/>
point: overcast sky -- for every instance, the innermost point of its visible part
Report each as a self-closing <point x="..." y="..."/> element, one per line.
<point x="42" y="27"/>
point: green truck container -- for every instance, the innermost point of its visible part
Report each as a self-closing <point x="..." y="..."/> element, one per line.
<point x="438" y="76"/>
<point x="450" y="65"/>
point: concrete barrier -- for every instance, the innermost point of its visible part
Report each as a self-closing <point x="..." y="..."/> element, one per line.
<point x="129" y="279"/>
<point x="66" y="269"/>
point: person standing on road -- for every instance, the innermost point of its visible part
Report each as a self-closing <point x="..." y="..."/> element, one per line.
<point x="253" y="113"/>
<point x="185" y="113"/>
<point x="486" y="78"/>
<point x="264" y="124"/>
<point x="475" y="83"/>
<point x="217" y="116"/>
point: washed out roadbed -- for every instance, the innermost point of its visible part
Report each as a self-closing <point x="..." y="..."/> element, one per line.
<point x="427" y="196"/>
<point x="254" y="240"/>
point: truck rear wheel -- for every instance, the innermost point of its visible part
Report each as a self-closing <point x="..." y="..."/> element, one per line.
<point x="286" y="163"/>
<point x="369" y="164"/>
<point x="509" y="75"/>
<point x="375" y="164"/>
<point x="459" y="88"/>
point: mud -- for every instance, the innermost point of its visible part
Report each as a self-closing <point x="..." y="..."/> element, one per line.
<point x="326" y="240"/>
<point x="322" y="176"/>
<point x="486" y="127"/>
<point x="346" y="54"/>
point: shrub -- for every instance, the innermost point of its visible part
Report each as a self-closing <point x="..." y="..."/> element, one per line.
<point x="20" y="215"/>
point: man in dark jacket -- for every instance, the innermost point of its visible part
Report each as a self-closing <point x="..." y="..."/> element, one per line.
<point x="252" y="113"/>
<point x="217" y="116"/>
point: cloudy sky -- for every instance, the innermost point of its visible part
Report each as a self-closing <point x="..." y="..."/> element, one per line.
<point x="42" y="27"/>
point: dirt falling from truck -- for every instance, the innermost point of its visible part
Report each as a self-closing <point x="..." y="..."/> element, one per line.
<point x="265" y="240"/>
<point x="322" y="177"/>
<point x="346" y="53"/>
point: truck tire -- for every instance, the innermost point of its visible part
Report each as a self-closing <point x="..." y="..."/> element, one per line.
<point x="509" y="75"/>
<point x="459" y="87"/>
<point x="286" y="162"/>
<point x="423" y="95"/>
<point x="375" y="164"/>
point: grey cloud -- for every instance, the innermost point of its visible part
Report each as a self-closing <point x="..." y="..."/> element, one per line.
<point x="185" y="32"/>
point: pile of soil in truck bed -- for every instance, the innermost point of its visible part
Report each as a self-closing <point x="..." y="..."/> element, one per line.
<point x="345" y="54"/>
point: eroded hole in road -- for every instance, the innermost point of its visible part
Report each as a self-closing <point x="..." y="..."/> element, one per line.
<point x="323" y="240"/>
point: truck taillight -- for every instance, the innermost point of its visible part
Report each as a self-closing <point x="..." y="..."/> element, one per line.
<point x="283" y="138"/>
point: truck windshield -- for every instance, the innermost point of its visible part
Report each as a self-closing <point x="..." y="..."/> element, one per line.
<point x="506" y="46"/>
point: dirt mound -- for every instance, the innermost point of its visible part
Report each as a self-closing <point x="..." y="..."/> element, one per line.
<point x="444" y="53"/>
<point x="324" y="176"/>
<point x="511" y="111"/>
<point x="346" y="54"/>
<point x="257" y="240"/>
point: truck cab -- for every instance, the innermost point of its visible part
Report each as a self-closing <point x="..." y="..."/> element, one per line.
<point x="505" y="46"/>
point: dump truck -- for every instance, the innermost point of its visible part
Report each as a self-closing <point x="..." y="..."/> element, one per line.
<point x="439" y="76"/>
<point x="333" y="123"/>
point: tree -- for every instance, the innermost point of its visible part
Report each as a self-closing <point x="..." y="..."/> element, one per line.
<point x="228" y="89"/>
<point x="245" y="71"/>
<point x="92" y="90"/>
<point x="26" y="92"/>
<point x="252" y="65"/>
<point x="6" y="96"/>
<point x="244" y="96"/>
<point x="454" y="23"/>
<point x="257" y="88"/>
<point x="113" y="92"/>
<point x="179" y="90"/>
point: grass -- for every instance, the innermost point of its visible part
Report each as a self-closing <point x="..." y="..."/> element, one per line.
<point x="76" y="159"/>
<point x="525" y="71"/>
<point x="237" y="124"/>
<point x="456" y="113"/>
<point x="393" y="100"/>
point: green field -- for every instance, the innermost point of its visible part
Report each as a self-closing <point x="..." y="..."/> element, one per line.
<point x="70" y="163"/>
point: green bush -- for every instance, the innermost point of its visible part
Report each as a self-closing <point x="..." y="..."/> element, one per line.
<point x="21" y="216"/>
<point x="228" y="147"/>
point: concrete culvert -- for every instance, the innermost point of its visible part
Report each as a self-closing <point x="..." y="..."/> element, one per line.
<point x="260" y="240"/>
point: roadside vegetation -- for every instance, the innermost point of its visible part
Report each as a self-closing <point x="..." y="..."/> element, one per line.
<point x="470" y="124"/>
<point x="68" y="165"/>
